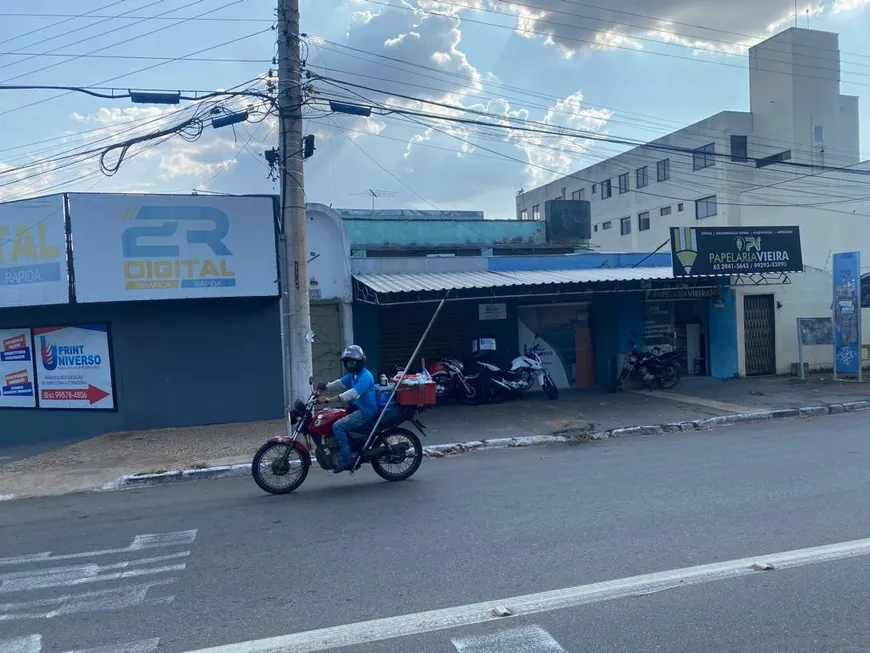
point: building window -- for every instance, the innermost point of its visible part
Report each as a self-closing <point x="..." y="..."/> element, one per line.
<point x="581" y="194"/>
<point x="643" y="221"/>
<point x="575" y="195"/>
<point x="524" y="214"/>
<point x="665" y="210"/>
<point x="606" y="190"/>
<point x="642" y="178"/>
<point x="706" y="207"/>
<point x="606" y="225"/>
<point x="595" y="228"/>
<point x="536" y="212"/>
<point x="739" y="149"/>
<point x="679" y="207"/>
<point x="625" y="226"/>
<point x="818" y="133"/>
<point x="563" y="192"/>
<point x="704" y="157"/>
<point x="623" y="183"/>
<point x="594" y="188"/>
<point x="663" y="170"/>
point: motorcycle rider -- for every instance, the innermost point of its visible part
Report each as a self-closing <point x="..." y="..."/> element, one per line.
<point x="358" y="387"/>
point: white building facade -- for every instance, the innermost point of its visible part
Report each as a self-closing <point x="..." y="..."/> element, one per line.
<point x="707" y="175"/>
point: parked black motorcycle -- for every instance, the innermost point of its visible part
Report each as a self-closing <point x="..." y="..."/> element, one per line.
<point x="654" y="366"/>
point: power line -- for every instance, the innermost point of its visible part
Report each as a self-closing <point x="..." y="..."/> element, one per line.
<point x="666" y="126"/>
<point x="648" y="28"/>
<point x="67" y="19"/>
<point x="560" y="131"/>
<point x="92" y="14"/>
<point x="113" y="45"/>
<point x="595" y="43"/>
<point x="372" y="159"/>
<point x="131" y="57"/>
<point x="141" y="70"/>
<point x="576" y="176"/>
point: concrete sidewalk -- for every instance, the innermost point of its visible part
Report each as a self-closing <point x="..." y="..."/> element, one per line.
<point x="93" y="463"/>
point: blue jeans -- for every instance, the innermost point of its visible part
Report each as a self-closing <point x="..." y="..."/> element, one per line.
<point x="341" y="428"/>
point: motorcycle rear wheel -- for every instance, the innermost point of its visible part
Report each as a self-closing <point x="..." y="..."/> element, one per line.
<point x="416" y="450"/>
<point x="669" y="377"/>
<point x="297" y="460"/>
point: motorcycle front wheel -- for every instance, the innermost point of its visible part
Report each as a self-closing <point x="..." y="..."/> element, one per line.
<point x="275" y="475"/>
<point x="550" y="389"/>
<point x="389" y="467"/>
<point x="669" y="377"/>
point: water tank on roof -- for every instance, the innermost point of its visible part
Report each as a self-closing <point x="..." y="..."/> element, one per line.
<point x="568" y="221"/>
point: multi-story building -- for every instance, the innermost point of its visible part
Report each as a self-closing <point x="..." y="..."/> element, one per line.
<point x="792" y="159"/>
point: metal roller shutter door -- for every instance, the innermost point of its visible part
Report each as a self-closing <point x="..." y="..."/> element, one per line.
<point x="402" y="327"/>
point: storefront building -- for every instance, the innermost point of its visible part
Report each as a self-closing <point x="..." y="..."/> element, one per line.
<point x="586" y="312"/>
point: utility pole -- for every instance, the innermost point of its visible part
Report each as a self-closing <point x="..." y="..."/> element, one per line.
<point x="296" y="312"/>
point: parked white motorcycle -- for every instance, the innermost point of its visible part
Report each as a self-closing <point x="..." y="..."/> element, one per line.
<point x="525" y="368"/>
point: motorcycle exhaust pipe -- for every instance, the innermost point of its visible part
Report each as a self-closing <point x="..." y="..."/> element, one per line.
<point x="381" y="451"/>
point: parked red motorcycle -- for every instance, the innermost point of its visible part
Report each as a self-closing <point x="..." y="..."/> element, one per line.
<point x="450" y="380"/>
<point x="281" y="464"/>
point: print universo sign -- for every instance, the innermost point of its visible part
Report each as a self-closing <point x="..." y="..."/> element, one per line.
<point x="133" y="247"/>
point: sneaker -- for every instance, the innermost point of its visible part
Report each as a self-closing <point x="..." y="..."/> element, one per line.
<point x="343" y="467"/>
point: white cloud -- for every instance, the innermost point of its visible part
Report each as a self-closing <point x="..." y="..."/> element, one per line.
<point x="701" y="24"/>
<point x="185" y="164"/>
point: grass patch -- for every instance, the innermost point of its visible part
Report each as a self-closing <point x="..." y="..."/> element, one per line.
<point x="199" y="466"/>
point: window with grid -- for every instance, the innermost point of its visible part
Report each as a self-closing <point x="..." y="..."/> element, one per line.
<point x="643" y="221"/>
<point x="606" y="225"/>
<point x="536" y="212"/>
<point x="665" y="210"/>
<point x="606" y="189"/>
<point x="642" y="177"/>
<point x="524" y="214"/>
<point x="623" y="183"/>
<point x="663" y="170"/>
<point x="625" y="226"/>
<point x="704" y="157"/>
<point x="706" y="207"/>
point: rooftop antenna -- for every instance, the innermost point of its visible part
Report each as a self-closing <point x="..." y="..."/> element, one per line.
<point x="375" y="193"/>
<point x="808" y="17"/>
<point x="795" y="13"/>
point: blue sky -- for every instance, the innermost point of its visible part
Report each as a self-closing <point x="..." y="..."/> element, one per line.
<point x="636" y="70"/>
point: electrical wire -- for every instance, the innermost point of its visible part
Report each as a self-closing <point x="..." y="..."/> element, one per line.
<point x="125" y="42"/>
<point x="140" y="70"/>
<point x="523" y="30"/>
<point x="657" y="124"/>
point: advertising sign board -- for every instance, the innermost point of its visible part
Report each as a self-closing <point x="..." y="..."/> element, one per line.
<point x="33" y="267"/>
<point x="75" y="367"/>
<point x="135" y="247"/>
<point x="847" y="313"/>
<point x="735" y="250"/>
<point x="16" y="369"/>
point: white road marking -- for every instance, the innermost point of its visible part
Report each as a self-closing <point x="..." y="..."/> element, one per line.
<point x="142" y="646"/>
<point x="365" y="632"/>
<point x="26" y="644"/>
<point x="140" y="542"/>
<point x="527" y="639"/>
<point x="114" y="599"/>
<point x="35" y="579"/>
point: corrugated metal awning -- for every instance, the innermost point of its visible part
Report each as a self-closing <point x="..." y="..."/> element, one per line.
<point x="442" y="281"/>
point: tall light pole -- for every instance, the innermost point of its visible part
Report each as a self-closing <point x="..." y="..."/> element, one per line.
<point x="296" y="310"/>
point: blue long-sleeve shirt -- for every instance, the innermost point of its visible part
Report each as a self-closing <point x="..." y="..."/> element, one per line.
<point x="359" y="390"/>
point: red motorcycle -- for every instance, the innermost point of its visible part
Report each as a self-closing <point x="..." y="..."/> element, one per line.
<point x="281" y="464"/>
<point x="451" y="380"/>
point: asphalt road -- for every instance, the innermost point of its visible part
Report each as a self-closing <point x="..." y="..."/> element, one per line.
<point x="226" y="563"/>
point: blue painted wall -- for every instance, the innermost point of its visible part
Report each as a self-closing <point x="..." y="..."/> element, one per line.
<point x="443" y="233"/>
<point x="367" y="332"/>
<point x="576" y="261"/>
<point x="722" y="328"/>
<point x="177" y="363"/>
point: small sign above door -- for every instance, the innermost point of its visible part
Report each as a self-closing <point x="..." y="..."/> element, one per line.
<point x="492" y="311"/>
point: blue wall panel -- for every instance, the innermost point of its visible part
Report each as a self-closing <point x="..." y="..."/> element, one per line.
<point x="723" y="334"/>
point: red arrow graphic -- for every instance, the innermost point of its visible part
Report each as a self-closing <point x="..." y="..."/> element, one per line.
<point x="94" y="394"/>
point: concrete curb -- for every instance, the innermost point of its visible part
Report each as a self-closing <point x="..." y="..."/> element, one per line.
<point x="458" y="448"/>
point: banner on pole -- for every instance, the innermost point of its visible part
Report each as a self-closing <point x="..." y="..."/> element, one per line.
<point x="847" y="313"/>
